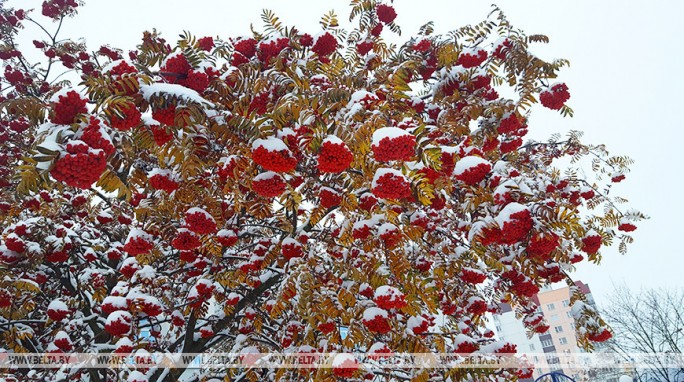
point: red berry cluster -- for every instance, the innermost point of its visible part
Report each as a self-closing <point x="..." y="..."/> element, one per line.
<point x="57" y="314"/>
<point x="271" y="49"/>
<point x="361" y="232"/>
<point x="278" y="161"/>
<point x="306" y="40"/>
<point x="491" y="144"/>
<point x="510" y="145"/>
<point x="14" y="243"/>
<point x="472" y="276"/>
<point x="161" y="135"/>
<point x="377" y="29"/>
<point x="129" y="268"/>
<point x="80" y="167"/>
<point x="367" y="201"/>
<point x="93" y="136"/>
<point x="57" y="257"/>
<point x="587" y="194"/>
<point x="227" y="238"/>
<point x="334" y="157"/>
<point x="163" y="182"/>
<point x="188" y="256"/>
<point x="68" y="106"/>
<point x="106" y="51"/>
<point x="509" y="124"/>
<point x="325" y="45"/>
<point x="474" y="175"/>
<point x="556" y="97"/>
<point x="472" y="59"/>
<point x="533" y="320"/>
<point x="477" y="307"/>
<point x="391" y="186"/>
<point x="346" y="369"/>
<point x="379" y="351"/>
<point x="233" y="298"/>
<point x="419" y="220"/>
<point x="423" y="264"/>
<point x="386" y="13"/>
<point x="130" y="117"/>
<point x="520" y="284"/>
<point x="501" y="49"/>
<point x="55" y="8"/>
<point x="422" y="46"/>
<point x="246" y="47"/>
<point x="389" y="298"/>
<point x="466" y="347"/>
<point x="327" y="327"/>
<point x="200" y="222"/>
<point x="104" y="218"/>
<point x="591" y="243"/>
<point x="329" y="198"/>
<point x="124" y="347"/>
<point x="398" y="148"/>
<point x="206" y="43"/>
<point x="166" y="115"/>
<point x="292" y="249"/>
<point x="617" y="178"/>
<point x="113" y="303"/>
<point x="364" y="47"/>
<point x="626" y="226"/>
<point x="269" y="187"/>
<point x="226" y="169"/>
<point x="119" y="323"/>
<point x="122" y="68"/>
<point x="576" y="258"/>
<point x="186" y="240"/>
<point x="391" y="238"/>
<point x="16" y="77"/>
<point x="259" y="103"/>
<point x="137" y="245"/>
<point x="175" y="68"/>
<point x="206" y="332"/>
<point x="507" y="348"/>
<point x="602" y="336"/>
<point x="119" y="70"/>
<point x="63" y="342"/>
<point x="196" y="80"/>
<point x="420" y="325"/>
<point x="516" y="228"/>
<point x="378" y="324"/>
<point x="540" y="246"/>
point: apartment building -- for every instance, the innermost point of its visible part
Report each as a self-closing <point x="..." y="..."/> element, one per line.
<point x="554" y="304"/>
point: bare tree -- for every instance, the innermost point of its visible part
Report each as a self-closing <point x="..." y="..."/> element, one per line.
<point x="650" y="321"/>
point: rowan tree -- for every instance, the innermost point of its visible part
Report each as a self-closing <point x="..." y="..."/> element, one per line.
<point x="255" y="194"/>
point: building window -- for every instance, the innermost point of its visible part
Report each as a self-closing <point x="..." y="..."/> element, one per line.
<point x="569" y="314"/>
<point x="566" y="303"/>
<point x="558" y="329"/>
<point x="498" y="328"/>
<point x="532" y="347"/>
<point x="555" y="317"/>
<point x="563" y="340"/>
<point x="547" y="343"/>
<point x="550" y="307"/>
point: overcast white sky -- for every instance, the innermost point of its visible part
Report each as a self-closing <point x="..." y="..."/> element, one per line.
<point x="625" y="79"/>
